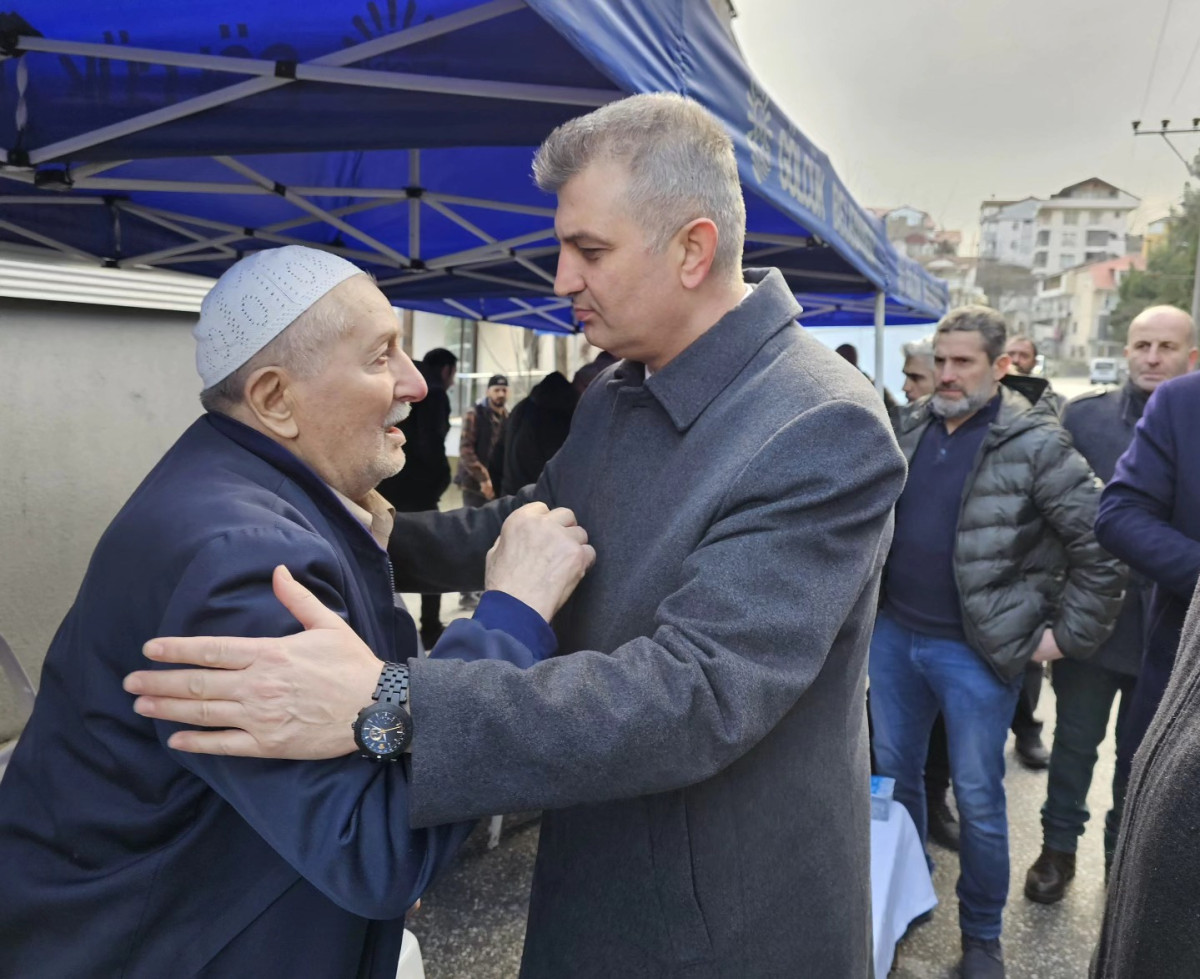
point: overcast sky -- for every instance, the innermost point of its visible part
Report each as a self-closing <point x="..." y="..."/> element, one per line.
<point x="942" y="104"/>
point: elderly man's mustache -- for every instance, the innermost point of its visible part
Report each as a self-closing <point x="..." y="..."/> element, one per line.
<point x="397" y="414"/>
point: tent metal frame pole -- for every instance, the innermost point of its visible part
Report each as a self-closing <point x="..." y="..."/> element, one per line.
<point x="411" y="278"/>
<point x="501" y="248"/>
<point x="267" y="233"/>
<point x="446" y="85"/>
<point x="817" y="274"/>
<point x="54" y="201"/>
<point x="537" y="312"/>
<point x="466" y="225"/>
<point x="414" y="204"/>
<point x="327" y="68"/>
<point x="501" y="280"/>
<point x="880" y="321"/>
<point x="306" y="205"/>
<point x="796" y="241"/>
<point x="543" y="212"/>
<point x="156" y="117"/>
<point x="808" y="312"/>
<point x="49" y="242"/>
<point x="466" y="310"/>
<point x="548" y="307"/>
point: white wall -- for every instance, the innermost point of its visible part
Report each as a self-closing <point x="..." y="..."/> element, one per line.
<point x="863" y="337"/>
<point x="90" y="398"/>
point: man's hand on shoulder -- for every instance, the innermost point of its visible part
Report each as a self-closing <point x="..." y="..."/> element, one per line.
<point x="540" y="557"/>
<point x="294" y="697"/>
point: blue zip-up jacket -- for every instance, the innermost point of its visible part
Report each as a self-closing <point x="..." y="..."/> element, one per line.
<point x="121" y="857"/>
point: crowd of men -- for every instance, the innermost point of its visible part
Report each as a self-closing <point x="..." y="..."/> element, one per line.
<point x="676" y="620"/>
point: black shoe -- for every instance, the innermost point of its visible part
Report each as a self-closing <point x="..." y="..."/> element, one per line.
<point x="1047" y="880"/>
<point x="430" y="634"/>
<point x="982" y="958"/>
<point x="1032" y="752"/>
<point x="943" y="827"/>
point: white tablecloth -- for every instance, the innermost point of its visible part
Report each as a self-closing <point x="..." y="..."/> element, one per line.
<point x="411" y="966"/>
<point x="901" y="888"/>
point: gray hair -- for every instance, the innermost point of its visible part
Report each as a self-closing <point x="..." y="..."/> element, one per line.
<point x="921" y="349"/>
<point x="302" y="349"/>
<point x="983" y="320"/>
<point x="680" y="161"/>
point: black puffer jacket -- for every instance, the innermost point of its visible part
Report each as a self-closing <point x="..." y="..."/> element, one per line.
<point x="1025" y="558"/>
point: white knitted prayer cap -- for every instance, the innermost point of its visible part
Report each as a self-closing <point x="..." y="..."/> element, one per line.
<point x="256" y="300"/>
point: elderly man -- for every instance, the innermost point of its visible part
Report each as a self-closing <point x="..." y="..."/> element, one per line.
<point x="122" y="857"/>
<point x="702" y="747"/>
<point x="918" y="369"/>
<point x="993" y="564"/>
<point x="1160" y="346"/>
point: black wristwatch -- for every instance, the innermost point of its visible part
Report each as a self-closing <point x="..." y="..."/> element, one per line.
<point x="383" y="729"/>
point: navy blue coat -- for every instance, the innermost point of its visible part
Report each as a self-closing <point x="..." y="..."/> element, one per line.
<point x="1149" y="517"/>
<point x="121" y="857"/>
<point x="1101" y="425"/>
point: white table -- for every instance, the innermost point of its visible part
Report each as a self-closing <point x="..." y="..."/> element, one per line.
<point x="901" y="888"/>
<point x="411" y="966"/>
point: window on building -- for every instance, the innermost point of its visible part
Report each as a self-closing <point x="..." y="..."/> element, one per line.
<point x="1116" y="215"/>
<point x="1043" y="238"/>
<point x="1095" y="256"/>
<point x="1039" y="260"/>
<point x="1097" y="217"/>
<point x="1066" y="260"/>
<point x="1016" y="226"/>
<point x="1097" y="239"/>
<point x="1070" y="217"/>
<point x="1044" y="217"/>
<point x="1069" y="239"/>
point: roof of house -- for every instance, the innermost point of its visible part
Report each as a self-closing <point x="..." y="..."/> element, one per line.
<point x="1104" y="273"/>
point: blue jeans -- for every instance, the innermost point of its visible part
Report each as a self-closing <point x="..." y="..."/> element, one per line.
<point x="912" y="678"/>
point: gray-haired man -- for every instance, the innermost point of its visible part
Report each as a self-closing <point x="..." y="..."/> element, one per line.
<point x="703" y="753"/>
<point x="993" y="563"/>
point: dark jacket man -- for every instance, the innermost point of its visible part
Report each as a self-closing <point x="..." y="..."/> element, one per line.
<point x="1150" y="517"/>
<point x="114" y="847"/>
<point x="535" y="430"/>
<point x="1101" y="424"/>
<point x="1152" y="922"/>
<point x="1026" y="515"/>
<point x="703" y="748"/>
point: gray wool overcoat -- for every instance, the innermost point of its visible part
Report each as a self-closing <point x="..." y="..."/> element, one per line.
<point x="700" y="743"/>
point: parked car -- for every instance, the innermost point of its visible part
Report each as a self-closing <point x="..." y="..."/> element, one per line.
<point x="1105" y="370"/>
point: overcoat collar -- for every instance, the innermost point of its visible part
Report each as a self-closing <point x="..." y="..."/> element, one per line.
<point x="690" y="382"/>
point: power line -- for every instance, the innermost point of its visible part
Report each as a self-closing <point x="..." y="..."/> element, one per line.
<point x="1186" y="71"/>
<point x="1157" y="51"/>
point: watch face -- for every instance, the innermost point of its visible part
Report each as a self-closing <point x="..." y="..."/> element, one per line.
<point x="384" y="731"/>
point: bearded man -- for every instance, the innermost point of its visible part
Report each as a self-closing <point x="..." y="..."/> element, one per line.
<point x="993" y="564"/>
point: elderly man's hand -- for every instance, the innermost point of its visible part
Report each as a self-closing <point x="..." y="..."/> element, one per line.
<point x="540" y="556"/>
<point x="294" y="697"/>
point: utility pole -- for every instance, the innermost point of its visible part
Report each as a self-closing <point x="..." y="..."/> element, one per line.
<point x="1164" y="132"/>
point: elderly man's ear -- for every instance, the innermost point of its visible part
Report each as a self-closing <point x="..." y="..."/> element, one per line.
<point x="269" y="398"/>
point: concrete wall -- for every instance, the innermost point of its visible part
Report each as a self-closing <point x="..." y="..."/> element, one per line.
<point x="90" y="398"/>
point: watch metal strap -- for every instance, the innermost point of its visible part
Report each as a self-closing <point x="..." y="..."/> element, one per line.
<point x="393" y="685"/>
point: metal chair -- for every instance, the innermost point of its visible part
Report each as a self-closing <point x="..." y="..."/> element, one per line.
<point x="18" y="681"/>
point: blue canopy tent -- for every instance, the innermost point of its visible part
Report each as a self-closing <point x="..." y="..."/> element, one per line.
<point x="399" y="135"/>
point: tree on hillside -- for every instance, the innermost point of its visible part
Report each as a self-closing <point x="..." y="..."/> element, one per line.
<point x="1170" y="268"/>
